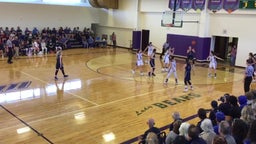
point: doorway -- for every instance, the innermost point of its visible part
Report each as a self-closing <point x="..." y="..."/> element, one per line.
<point x="223" y="45"/>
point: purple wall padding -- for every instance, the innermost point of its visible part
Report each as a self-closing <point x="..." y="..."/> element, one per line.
<point x="136" y="39"/>
<point x="182" y="42"/>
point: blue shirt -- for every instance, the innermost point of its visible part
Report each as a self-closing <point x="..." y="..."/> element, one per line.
<point x="249" y="71"/>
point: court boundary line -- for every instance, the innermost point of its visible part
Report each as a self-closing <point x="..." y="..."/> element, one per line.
<point x="22" y="121"/>
<point x="75" y="95"/>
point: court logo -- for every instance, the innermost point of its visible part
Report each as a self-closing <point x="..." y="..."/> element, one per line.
<point x="14" y="86"/>
<point x="167" y="103"/>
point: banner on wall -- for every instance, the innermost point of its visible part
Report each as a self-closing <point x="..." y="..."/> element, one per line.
<point x="231" y="5"/>
<point x="186" y="4"/>
<point x="198" y="5"/>
<point x="215" y="5"/>
<point x="174" y="4"/>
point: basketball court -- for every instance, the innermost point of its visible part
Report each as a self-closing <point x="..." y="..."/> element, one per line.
<point x="101" y="101"/>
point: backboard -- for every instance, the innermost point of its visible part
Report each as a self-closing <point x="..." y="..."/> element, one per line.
<point x="172" y="19"/>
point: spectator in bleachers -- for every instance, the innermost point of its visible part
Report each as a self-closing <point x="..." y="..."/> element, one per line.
<point x="239" y="130"/>
<point x="234" y="111"/>
<point x="35" y="32"/>
<point x="247" y="115"/>
<point x="193" y="134"/>
<point x="225" y="131"/>
<point x="152" y="128"/>
<point x="173" y="133"/>
<point x="182" y="138"/>
<point x="202" y="115"/>
<point x="242" y="100"/>
<point x="208" y="134"/>
<point x="175" y="117"/>
<point x="219" y="117"/>
<point x="214" y="110"/>
<point x="225" y="105"/>
<point x="43" y="46"/>
<point x="151" y="138"/>
<point x="219" y="140"/>
<point x="252" y="133"/>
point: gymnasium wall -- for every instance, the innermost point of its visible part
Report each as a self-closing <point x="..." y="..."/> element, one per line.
<point x="238" y="24"/>
<point x="39" y="15"/>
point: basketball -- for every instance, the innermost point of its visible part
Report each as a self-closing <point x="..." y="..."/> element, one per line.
<point x="193" y="42"/>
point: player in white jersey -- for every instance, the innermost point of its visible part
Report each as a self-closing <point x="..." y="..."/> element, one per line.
<point x="166" y="60"/>
<point x="172" y="69"/>
<point x="212" y="58"/>
<point x="150" y="49"/>
<point x="139" y="62"/>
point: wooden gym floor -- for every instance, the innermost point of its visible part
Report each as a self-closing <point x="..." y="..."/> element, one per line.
<point x="101" y="101"/>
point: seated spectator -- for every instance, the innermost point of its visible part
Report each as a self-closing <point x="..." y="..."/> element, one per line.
<point x="208" y="134"/>
<point x="213" y="111"/>
<point x="182" y="138"/>
<point x="43" y="46"/>
<point x="225" y="131"/>
<point x="242" y="100"/>
<point x="174" y="133"/>
<point x="219" y="140"/>
<point x="152" y="138"/>
<point x="152" y="128"/>
<point x="252" y="133"/>
<point x="193" y="134"/>
<point x="234" y="111"/>
<point x="225" y="105"/>
<point x="202" y="115"/>
<point x="175" y="117"/>
<point x="239" y="130"/>
<point x="219" y="117"/>
<point x="247" y="114"/>
<point x="91" y="42"/>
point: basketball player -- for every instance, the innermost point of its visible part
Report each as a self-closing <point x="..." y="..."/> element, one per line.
<point x="139" y="62"/>
<point x="59" y="64"/>
<point x="172" y="69"/>
<point x="166" y="61"/>
<point x="191" y="54"/>
<point x="187" y="77"/>
<point x="150" y="49"/>
<point x="152" y="63"/>
<point x="213" y="64"/>
<point x="164" y="49"/>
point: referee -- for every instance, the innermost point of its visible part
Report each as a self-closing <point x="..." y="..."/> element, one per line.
<point x="248" y="76"/>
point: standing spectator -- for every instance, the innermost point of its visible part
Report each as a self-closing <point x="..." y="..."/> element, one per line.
<point x="9" y="50"/>
<point x="248" y="76"/>
<point x="16" y="45"/>
<point x="114" y="39"/>
<point x="234" y="111"/>
<point x="233" y="55"/>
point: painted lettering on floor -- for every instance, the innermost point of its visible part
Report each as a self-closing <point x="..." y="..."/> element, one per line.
<point x="167" y="103"/>
<point x="14" y="86"/>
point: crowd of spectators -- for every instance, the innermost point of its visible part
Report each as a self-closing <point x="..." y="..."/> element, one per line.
<point x="231" y="120"/>
<point x="26" y="42"/>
